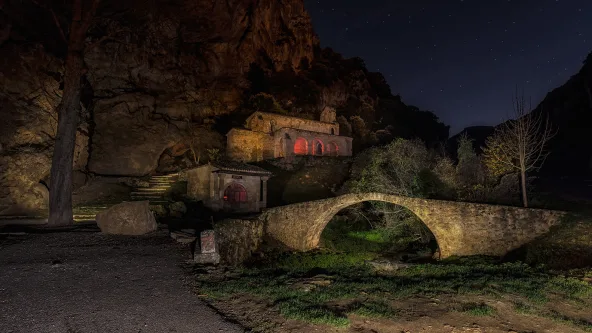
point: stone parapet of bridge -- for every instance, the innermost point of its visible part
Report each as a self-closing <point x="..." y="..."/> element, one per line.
<point x="460" y="228"/>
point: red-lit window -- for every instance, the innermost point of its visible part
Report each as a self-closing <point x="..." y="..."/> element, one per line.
<point x="235" y="193"/>
<point x="301" y="147"/>
<point x="332" y="149"/>
<point x="317" y="147"/>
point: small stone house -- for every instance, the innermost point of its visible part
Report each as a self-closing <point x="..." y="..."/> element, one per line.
<point x="270" y="135"/>
<point x="229" y="186"/>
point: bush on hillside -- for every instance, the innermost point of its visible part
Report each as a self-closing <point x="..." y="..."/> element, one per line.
<point x="409" y="168"/>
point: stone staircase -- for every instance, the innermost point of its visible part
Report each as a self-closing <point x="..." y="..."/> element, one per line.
<point x="157" y="193"/>
<point x="159" y="189"/>
<point x="87" y="213"/>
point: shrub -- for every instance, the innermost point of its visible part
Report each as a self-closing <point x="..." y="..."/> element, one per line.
<point x="267" y="103"/>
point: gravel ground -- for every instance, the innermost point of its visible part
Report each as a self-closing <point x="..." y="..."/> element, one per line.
<point x="83" y="281"/>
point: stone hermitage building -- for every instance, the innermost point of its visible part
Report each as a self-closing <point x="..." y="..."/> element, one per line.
<point x="229" y="186"/>
<point x="233" y="185"/>
<point x="270" y="135"/>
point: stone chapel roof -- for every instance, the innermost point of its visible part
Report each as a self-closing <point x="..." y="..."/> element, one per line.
<point x="235" y="166"/>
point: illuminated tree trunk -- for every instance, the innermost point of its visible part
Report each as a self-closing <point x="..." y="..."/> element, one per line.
<point x="60" y="193"/>
<point x="519" y="145"/>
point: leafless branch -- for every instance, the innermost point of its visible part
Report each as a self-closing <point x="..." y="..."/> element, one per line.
<point x="520" y="144"/>
<point x="55" y="19"/>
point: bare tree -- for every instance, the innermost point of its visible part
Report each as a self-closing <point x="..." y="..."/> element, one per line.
<point x="60" y="195"/>
<point x="519" y="145"/>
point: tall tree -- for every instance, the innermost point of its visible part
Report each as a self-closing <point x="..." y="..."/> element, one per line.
<point x="519" y="145"/>
<point x="60" y="194"/>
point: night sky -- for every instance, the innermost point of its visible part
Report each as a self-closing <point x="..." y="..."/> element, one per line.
<point x="461" y="59"/>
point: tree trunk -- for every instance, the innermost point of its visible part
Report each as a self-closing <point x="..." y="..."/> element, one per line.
<point x="523" y="185"/>
<point x="60" y="193"/>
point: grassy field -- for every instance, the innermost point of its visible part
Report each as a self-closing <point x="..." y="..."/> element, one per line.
<point x="344" y="284"/>
<point x="333" y="286"/>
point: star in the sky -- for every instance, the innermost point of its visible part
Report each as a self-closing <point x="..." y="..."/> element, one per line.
<point x="522" y="40"/>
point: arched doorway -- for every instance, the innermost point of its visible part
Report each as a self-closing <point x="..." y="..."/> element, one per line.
<point x="301" y="146"/>
<point x="317" y="147"/>
<point x="332" y="149"/>
<point x="235" y="194"/>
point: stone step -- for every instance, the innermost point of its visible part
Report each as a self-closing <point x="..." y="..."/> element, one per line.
<point x="161" y="193"/>
<point x="19" y="217"/>
<point x="147" y="196"/>
<point x="156" y="202"/>
<point x="94" y="206"/>
<point x="149" y="199"/>
<point x="152" y="189"/>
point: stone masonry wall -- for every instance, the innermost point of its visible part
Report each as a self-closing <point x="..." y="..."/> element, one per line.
<point x="198" y="183"/>
<point x="284" y="142"/>
<point x="460" y="228"/>
<point x="251" y="183"/>
<point x="238" y="239"/>
<point x="245" y="146"/>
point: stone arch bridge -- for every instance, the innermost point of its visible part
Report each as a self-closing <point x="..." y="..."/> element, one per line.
<point x="460" y="228"/>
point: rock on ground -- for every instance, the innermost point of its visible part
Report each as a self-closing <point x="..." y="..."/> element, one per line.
<point x="127" y="218"/>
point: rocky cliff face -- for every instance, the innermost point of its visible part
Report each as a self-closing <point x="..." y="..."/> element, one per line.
<point x="569" y="109"/>
<point x="152" y="68"/>
<point x="159" y="72"/>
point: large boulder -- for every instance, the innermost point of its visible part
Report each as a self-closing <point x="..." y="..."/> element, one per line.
<point x="127" y="218"/>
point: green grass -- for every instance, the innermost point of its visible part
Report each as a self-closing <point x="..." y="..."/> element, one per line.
<point x="526" y="309"/>
<point x="361" y="291"/>
<point x="352" y="280"/>
<point x="566" y="246"/>
<point x="345" y="236"/>
<point x="303" y="262"/>
<point x="477" y="309"/>
<point x="372" y="309"/>
<point x="523" y="308"/>
<point x="312" y="312"/>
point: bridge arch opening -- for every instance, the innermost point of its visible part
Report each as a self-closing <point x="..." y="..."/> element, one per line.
<point x="381" y="229"/>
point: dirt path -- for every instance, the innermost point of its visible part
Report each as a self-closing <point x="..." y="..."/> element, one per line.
<point x="83" y="281"/>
